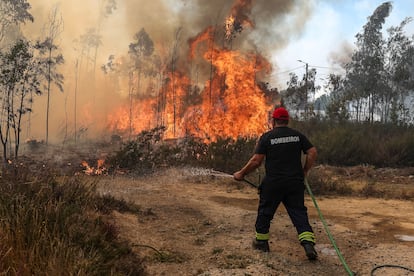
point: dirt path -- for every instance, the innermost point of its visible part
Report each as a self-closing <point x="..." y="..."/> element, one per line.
<point x="204" y="225"/>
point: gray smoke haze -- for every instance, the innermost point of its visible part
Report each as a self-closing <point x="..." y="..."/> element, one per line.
<point x="343" y="55"/>
<point x="275" y="23"/>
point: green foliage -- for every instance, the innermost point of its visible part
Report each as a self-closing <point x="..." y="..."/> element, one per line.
<point x="377" y="84"/>
<point x="51" y="227"/>
<point x="139" y="154"/>
<point x="348" y="144"/>
<point x="20" y="78"/>
<point x="13" y="12"/>
<point x="296" y="97"/>
<point x="229" y="155"/>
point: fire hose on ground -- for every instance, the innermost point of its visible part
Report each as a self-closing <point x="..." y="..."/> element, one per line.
<point x="331" y="238"/>
<point x="341" y="258"/>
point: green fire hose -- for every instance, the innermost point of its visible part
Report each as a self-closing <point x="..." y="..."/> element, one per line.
<point x="341" y="258"/>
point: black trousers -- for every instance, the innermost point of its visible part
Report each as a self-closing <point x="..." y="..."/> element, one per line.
<point x="292" y="197"/>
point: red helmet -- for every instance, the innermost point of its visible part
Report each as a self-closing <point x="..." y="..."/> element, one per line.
<point x="280" y="113"/>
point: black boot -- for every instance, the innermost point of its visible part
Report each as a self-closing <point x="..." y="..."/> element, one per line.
<point x="262" y="245"/>
<point x="310" y="250"/>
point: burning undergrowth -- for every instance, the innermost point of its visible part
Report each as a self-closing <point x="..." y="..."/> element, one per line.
<point x="150" y="152"/>
<point x="99" y="169"/>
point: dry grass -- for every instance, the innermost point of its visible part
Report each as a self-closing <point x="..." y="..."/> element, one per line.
<point x="365" y="181"/>
<point x="51" y="227"/>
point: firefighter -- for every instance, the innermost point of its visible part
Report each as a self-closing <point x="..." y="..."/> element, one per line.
<point x="282" y="149"/>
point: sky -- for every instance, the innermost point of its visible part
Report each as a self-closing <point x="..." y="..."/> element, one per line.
<point x="330" y="30"/>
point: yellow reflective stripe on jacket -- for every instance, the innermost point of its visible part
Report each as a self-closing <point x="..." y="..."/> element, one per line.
<point x="262" y="237"/>
<point x="307" y="236"/>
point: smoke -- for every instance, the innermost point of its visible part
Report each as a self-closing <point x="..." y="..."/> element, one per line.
<point x="343" y="56"/>
<point x="267" y="27"/>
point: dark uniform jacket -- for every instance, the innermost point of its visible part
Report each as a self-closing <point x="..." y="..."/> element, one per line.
<point x="283" y="148"/>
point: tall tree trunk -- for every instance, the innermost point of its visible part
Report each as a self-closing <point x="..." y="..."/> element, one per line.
<point x="48" y="94"/>
<point x="76" y="101"/>
<point x="131" y="92"/>
<point x="17" y="127"/>
<point x="173" y="61"/>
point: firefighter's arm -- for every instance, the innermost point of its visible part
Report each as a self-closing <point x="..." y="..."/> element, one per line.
<point x="311" y="155"/>
<point x="254" y="162"/>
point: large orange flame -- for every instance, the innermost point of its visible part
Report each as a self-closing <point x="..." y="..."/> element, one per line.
<point x="232" y="102"/>
<point x="233" y="105"/>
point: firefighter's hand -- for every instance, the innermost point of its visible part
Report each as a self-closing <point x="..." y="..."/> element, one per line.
<point x="239" y="176"/>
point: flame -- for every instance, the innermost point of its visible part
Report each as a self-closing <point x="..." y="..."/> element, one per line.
<point x="205" y="36"/>
<point x="148" y="112"/>
<point x="241" y="10"/>
<point x="238" y="18"/>
<point x="99" y="170"/>
<point x="229" y="27"/>
<point x="232" y="103"/>
<point x="135" y="116"/>
<point x="236" y="106"/>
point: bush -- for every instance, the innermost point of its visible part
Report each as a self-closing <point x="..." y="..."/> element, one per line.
<point x="144" y="154"/>
<point x="350" y="144"/>
<point x="51" y="227"/>
<point x="321" y="184"/>
<point x="228" y="155"/>
<point x="339" y="144"/>
<point x="139" y="153"/>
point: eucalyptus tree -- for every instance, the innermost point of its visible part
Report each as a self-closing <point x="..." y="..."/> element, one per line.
<point x="13" y="13"/>
<point x="140" y="51"/>
<point x="379" y="78"/>
<point x="296" y="95"/>
<point x="336" y="108"/>
<point x="174" y="59"/>
<point x="106" y="8"/>
<point x="50" y="51"/>
<point x="365" y="74"/>
<point x="88" y="45"/>
<point x="19" y="81"/>
<point x="400" y="67"/>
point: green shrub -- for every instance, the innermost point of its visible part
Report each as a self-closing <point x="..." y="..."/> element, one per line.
<point x="349" y="143"/>
<point x="229" y="155"/>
